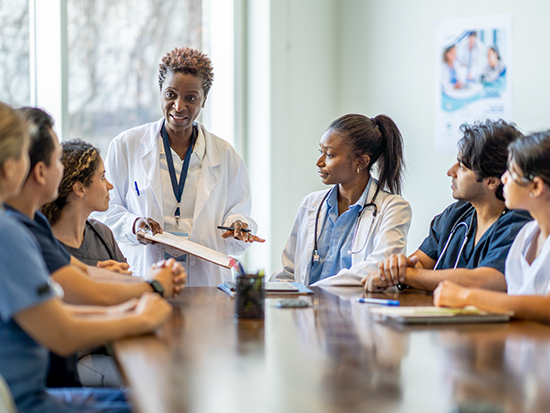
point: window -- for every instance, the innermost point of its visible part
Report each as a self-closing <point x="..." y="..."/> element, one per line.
<point x="114" y="49"/>
<point x="14" y="52"/>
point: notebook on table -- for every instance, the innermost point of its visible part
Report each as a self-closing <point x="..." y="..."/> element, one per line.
<point x="436" y="315"/>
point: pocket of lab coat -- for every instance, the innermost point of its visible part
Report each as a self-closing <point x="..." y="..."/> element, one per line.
<point x="136" y="199"/>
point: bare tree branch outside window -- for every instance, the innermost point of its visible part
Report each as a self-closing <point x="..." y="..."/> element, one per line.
<point x="14" y="52"/>
<point x="114" y="48"/>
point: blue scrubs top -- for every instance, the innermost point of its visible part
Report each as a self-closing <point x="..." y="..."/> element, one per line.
<point x="55" y="255"/>
<point x="334" y="242"/>
<point x="23" y="284"/>
<point x="490" y="251"/>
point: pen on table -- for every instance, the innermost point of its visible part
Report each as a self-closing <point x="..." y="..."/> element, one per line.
<point x="233" y="228"/>
<point x="226" y="290"/>
<point x="379" y="301"/>
<point x="136" y="186"/>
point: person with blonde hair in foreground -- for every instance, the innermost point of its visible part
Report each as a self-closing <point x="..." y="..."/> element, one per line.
<point x="33" y="317"/>
<point x="526" y="186"/>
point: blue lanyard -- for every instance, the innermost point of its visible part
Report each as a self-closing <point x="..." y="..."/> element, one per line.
<point x="177" y="187"/>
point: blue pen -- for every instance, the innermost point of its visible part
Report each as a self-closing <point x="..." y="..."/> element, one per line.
<point x="226" y="290"/>
<point x="240" y="268"/>
<point x="379" y="301"/>
<point x="137" y="189"/>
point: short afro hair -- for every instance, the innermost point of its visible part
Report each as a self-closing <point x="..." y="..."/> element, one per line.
<point x="188" y="61"/>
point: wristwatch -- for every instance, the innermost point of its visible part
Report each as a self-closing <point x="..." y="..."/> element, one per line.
<point x="157" y="287"/>
<point x="403" y="287"/>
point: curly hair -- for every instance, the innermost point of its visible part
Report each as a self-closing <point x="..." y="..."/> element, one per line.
<point x="81" y="161"/>
<point x="188" y="61"/>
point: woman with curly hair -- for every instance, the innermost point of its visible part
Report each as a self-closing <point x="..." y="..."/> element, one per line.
<point x="33" y="316"/>
<point x="173" y="175"/>
<point x="83" y="190"/>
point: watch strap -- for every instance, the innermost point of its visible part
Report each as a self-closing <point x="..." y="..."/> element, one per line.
<point x="157" y="287"/>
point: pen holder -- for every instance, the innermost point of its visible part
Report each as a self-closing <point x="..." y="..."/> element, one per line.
<point x="249" y="302"/>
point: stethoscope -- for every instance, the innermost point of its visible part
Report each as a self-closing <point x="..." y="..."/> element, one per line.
<point x="469" y="232"/>
<point x="367" y="205"/>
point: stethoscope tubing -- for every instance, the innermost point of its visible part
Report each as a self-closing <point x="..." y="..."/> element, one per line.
<point x="449" y="238"/>
<point x="372" y="203"/>
<point x="457" y="224"/>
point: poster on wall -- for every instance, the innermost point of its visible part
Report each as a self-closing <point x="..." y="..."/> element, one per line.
<point x="473" y="74"/>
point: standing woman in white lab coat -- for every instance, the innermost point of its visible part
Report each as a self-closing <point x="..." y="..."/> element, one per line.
<point x="340" y="234"/>
<point x="173" y="175"/>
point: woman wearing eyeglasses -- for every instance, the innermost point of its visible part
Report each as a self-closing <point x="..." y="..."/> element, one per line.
<point x="526" y="186"/>
<point x="341" y="233"/>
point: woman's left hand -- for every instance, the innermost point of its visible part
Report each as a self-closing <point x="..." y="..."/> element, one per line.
<point x="449" y="294"/>
<point x="241" y="235"/>
<point x="112" y="265"/>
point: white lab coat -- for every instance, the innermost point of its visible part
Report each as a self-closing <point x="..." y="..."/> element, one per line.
<point x="381" y="236"/>
<point x="223" y="196"/>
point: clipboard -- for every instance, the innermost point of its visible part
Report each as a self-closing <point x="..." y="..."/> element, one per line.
<point x="436" y="315"/>
<point x="192" y="248"/>
<point x="284" y="288"/>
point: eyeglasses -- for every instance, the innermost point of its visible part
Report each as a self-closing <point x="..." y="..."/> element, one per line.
<point x="520" y="180"/>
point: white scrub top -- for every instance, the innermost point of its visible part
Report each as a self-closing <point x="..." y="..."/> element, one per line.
<point x="522" y="278"/>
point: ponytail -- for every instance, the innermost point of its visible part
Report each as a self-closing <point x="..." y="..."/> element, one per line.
<point x="391" y="166"/>
<point x="380" y="139"/>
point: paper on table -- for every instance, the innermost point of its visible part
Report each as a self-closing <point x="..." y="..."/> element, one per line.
<point x="430" y="315"/>
<point x="426" y="311"/>
<point x="192" y="248"/>
<point x="339" y="280"/>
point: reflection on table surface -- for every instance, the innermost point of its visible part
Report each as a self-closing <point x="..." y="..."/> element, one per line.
<point x="332" y="357"/>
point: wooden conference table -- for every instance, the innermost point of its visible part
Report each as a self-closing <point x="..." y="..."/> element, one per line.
<point x="332" y="357"/>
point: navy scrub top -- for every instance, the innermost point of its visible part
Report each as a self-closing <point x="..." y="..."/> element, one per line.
<point x="490" y="251"/>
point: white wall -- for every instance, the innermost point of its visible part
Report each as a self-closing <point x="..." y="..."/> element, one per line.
<point x="387" y="49"/>
<point x="303" y="82"/>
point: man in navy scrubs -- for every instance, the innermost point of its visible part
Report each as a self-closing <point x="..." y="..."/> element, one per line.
<point x="468" y="242"/>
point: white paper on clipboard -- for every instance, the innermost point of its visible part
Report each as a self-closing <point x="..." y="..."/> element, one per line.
<point x="192" y="248"/>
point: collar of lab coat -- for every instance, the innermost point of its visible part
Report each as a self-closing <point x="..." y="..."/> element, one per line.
<point x="314" y="206"/>
<point x="365" y="224"/>
<point x="209" y="176"/>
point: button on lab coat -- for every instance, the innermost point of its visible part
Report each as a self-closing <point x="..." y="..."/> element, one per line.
<point x="377" y="238"/>
<point x="223" y="196"/>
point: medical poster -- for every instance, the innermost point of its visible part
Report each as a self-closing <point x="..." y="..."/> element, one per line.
<point x="473" y="74"/>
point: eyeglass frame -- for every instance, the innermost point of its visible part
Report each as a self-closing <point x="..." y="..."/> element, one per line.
<point x="520" y="180"/>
